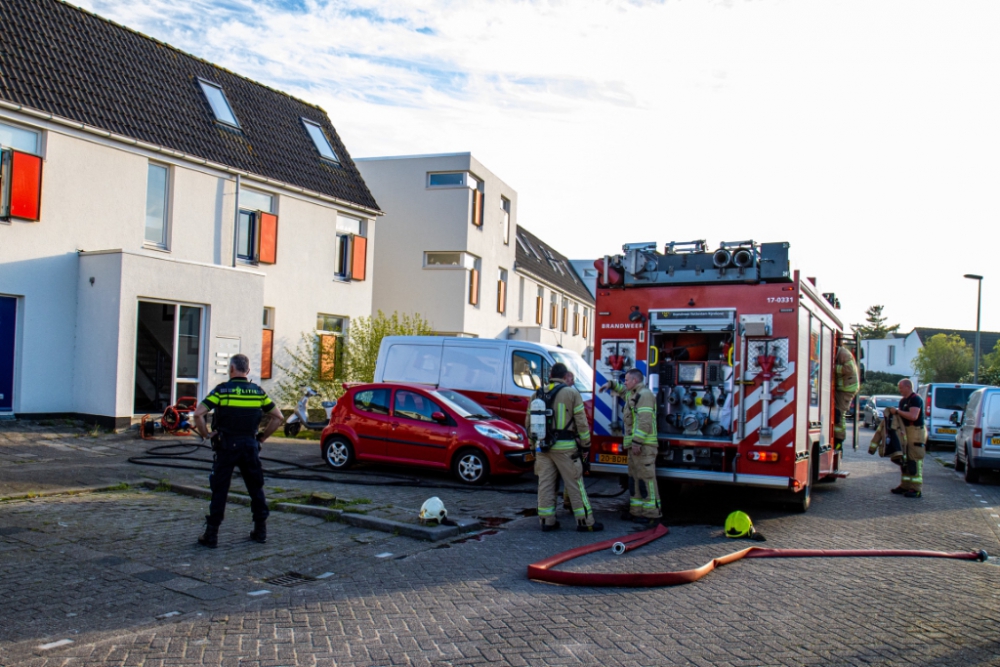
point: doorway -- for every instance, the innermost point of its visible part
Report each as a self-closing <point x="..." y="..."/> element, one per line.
<point x="168" y="355"/>
<point x="8" y="328"/>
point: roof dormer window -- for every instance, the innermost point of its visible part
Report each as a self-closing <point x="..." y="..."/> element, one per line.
<point x="220" y="105"/>
<point x="319" y="139"/>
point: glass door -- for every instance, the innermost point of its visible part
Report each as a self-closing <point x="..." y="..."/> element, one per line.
<point x="188" y="355"/>
<point x="168" y="358"/>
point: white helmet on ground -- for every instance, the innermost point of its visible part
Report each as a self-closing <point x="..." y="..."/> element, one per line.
<point x="433" y="510"/>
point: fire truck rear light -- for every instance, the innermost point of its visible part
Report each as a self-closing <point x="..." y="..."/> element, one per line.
<point x="977" y="437"/>
<point x="796" y="485"/>
<point x="764" y="457"/>
<point x="787" y="289"/>
<point x="616" y="448"/>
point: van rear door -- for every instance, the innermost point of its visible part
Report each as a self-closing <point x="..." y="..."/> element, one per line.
<point x="475" y="368"/>
<point x="991" y="424"/>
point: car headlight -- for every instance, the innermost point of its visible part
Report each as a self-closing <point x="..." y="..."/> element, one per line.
<point x="497" y="433"/>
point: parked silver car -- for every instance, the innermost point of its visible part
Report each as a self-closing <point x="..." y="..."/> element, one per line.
<point x="977" y="443"/>
<point x="876" y="407"/>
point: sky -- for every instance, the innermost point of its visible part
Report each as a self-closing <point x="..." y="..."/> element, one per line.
<point x="866" y="133"/>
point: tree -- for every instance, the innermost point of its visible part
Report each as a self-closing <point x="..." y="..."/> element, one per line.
<point x="880" y="383"/>
<point x="989" y="368"/>
<point x="875" y="327"/>
<point x="366" y="336"/>
<point x="303" y="370"/>
<point x="943" y="358"/>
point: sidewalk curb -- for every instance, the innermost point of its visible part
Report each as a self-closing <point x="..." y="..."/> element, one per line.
<point x="74" y="491"/>
<point x="430" y="533"/>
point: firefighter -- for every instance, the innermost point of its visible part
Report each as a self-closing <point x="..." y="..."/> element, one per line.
<point x="238" y="407"/>
<point x="846" y="374"/>
<point x="641" y="443"/>
<point x="911" y="411"/>
<point x="565" y="453"/>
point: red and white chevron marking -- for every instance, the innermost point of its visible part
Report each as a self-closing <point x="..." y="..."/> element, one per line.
<point x="782" y="418"/>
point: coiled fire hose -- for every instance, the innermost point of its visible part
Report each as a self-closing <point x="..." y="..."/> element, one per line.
<point x="542" y="570"/>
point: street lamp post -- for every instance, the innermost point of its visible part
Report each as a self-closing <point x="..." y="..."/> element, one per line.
<point x="979" y="307"/>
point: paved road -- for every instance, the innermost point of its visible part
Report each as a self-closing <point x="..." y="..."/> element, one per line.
<point x="98" y="569"/>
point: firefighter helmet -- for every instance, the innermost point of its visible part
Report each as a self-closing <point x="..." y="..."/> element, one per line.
<point x="433" y="510"/>
<point x="738" y="524"/>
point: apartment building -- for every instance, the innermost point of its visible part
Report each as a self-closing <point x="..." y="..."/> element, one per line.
<point x="160" y="214"/>
<point x="451" y="249"/>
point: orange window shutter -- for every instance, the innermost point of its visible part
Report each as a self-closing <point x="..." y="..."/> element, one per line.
<point x="501" y="296"/>
<point x="266" y="352"/>
<point x="576" y="324"/>
<point x="585" y="323"/>
<point x="538" y="310"/>
<point x="327" y="357"/>
<point x="477" y="208"/>
<point x="474" y="287"/>
<point x="565" y="324"/>
<point x="359" y="257"/>
<point x="268" y="235"/>
<point x="24" y="189"/>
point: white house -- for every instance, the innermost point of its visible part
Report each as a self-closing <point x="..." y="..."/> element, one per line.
<point x="451" y="249"/>
<point x="895" y="353"/>
<point x="160" y="214"/>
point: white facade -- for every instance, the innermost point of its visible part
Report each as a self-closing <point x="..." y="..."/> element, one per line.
<point x="426" y="221"/>
<point x="892" y="355"/>
<point x="80" y="273"/>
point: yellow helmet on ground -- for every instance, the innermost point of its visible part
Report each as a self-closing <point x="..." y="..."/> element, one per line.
<point x="738" y="524"/>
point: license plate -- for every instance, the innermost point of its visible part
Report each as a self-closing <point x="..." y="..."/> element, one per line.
<point x="995" y="441"/>
<point x="946" y="430"/>
<point x="623" y="460"/>
<point x="529" y="457"/>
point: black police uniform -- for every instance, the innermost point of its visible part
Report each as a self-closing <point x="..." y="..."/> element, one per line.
<point x="239" y="405"/>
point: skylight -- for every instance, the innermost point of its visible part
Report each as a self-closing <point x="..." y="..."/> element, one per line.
<point x="220" y="105"/>
<point x="318" y="136"/>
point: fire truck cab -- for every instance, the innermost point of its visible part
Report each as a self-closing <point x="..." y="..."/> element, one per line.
<point x="739" y="352"/>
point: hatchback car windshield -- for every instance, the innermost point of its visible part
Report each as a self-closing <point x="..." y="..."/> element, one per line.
<point x="584" y="376"/>
<point x="463" y="405"/>
<point x="887" y="401"/>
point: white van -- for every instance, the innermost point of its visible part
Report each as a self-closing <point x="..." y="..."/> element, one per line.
<point x="977" y="447"/>
<point x="501" y="375"/>
<point x="940" y="401"/>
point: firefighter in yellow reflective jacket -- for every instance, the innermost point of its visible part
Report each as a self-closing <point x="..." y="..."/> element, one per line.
<point x="846" y="373"/>
<point x="642" y="445"/>
<point x="565" y="453"/>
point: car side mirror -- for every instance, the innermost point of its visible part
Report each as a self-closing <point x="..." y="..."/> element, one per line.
<point x="439" y="417"/>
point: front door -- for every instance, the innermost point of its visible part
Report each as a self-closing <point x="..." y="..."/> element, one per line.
<point x="8" y="322"/>
<point x="168" y="355"/>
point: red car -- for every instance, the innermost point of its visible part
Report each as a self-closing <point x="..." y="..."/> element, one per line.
<point x="411" y="424"/>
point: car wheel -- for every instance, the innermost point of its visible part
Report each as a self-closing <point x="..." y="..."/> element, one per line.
<point x="471" y="466"/>
<point x="292" y="430"/>
<point x="971" y="474"/>
<point x="338" y="452"/>
<point x="959" y="465"/>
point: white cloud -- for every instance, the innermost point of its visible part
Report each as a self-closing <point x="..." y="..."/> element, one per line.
<point x="862" y="131"/>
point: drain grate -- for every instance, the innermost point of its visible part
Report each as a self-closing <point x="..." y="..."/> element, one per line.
<point x="290" y="579"/>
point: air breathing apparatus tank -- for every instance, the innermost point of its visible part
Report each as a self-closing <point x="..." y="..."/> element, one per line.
<point x="537" y="423"/>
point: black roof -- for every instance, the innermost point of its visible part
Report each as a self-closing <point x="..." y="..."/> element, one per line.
<point x="68" y="62"/>
<point x="987" y="339"/>
<point x="542" y="261"/>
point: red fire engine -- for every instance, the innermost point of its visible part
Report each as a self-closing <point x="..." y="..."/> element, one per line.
<point x="739" y="352"/>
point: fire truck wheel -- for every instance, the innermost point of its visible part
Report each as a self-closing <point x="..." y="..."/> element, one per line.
<point x="802" y="500"/>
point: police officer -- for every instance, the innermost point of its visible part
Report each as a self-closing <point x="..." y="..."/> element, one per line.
<point x="641" y="441"/>
<point x="565" y="458"/>
<point x="911" y="411"/>
<point x="239" y="405"/>
<point x="846" y="373"/>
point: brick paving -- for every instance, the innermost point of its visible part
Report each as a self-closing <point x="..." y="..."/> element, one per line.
<point x="98" y="569"/>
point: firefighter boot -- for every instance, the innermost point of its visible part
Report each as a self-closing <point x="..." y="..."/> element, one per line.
<point x="596" y="527"/>
<point x="548" y="527"/>
<point x="899" y="490"/>
<point x="210" y="538"/>
<point x="259" y="532"/>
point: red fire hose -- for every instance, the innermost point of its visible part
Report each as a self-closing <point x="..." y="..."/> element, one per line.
<point x="542" y="570"/>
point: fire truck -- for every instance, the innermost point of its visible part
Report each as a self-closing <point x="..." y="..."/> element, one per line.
<point x="738" y="350"/>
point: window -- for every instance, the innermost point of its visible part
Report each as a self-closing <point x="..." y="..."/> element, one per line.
<point x="220" y="105"/>
<point x="411" y="405"/>
<point x="520" y="299"/>
<point x="451" y="180"/>
<point x="539" y="304"/>
<point x="505" y="207"/>
<point x="256" y="238"/>
<point x="156" y="205"/>
<point x="20" y="139"/>
<point x="892" y="355"/>
<point x="320" y="140"/>
<point x="565" y="315"/>
<point x="267" y="345"/>
<point x="449" y="260"/>
<point x="554" y="311"/>
<point x="576" y="319"/>
<point x="474" y="284"/>
<point x="471" y="367"/>
<point x="352" y="249"/>
<point x="477" y="201"/>
<point x="502" y="291"/>
<point x="372" y="400"/>
<point x="529" y="369"/>
<point x="334" y="324"/>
